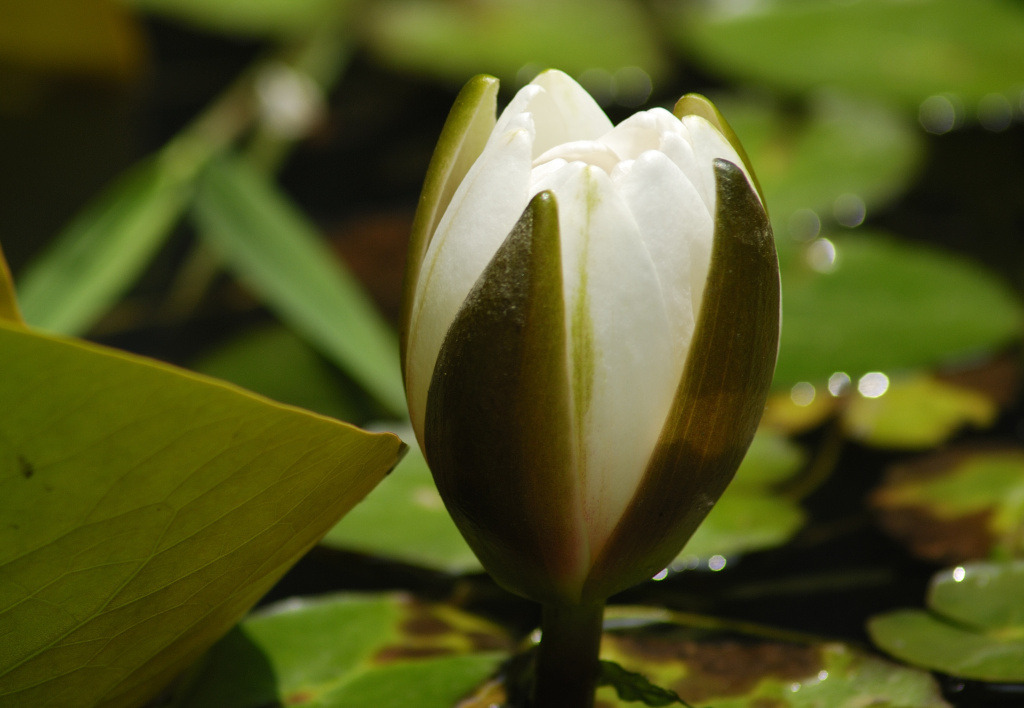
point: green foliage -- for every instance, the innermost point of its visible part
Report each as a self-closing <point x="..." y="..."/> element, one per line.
<point x="973" y="628"/>
<point x="840" y="158"/>
<point x="880" y="304"/>
<point x="104" y="250"/>
<point x="145" y="510"/>
<point x="957" y="504"/>
<point x="453" y="40"/>
<point x="885" y="49"/>
<point x="715" y="669"/>
<point x="269" y="243"/>
<point x="348" y="652"/>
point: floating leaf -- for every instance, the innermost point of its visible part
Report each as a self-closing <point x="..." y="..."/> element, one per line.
<point x="406" y="520"/>
<point x="749" y="516"/>
<point x="270" y="244"/>
<point x="880" y="305"/>
<point x="104" y="250"/>
<point x="349" y="652"/>
<point x="706" y="670"/>
<point x="144" y="511"/>
<point x="973" y="629"/>
<point x="889" y="49"/>
<point x="956" y="505"/>
<point x="258" y="17"/>
<point x="501" y="37"/>
<point x="835" y="160"/>
<point x="916" y="412"/>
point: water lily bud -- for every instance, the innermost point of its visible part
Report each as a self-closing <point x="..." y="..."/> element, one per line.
<point x="590" y="327"/>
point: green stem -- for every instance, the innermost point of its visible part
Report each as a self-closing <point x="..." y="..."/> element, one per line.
<point x="567" y="659"/>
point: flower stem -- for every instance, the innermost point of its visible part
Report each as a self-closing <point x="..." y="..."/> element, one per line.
<point x="567" y="659"/>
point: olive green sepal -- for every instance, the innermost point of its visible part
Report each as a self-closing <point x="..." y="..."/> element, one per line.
<point x="693" y="104"/>
<point x="498" y="428"/>
<point x="466" y="131"/>
<point x="719" y="400"/>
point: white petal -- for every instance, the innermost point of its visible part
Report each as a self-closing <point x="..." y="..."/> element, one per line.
<point x="480" y="216"/>
<point x="564" y="112"/>
<point x="620" y="350"/>
<point x="641" y="132"/>
<point x="592" y="152"/>
<point x="676" y="228"/>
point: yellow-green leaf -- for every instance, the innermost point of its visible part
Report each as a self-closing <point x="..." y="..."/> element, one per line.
<point x="143" y="510"/>
<point x="917" y="412"/>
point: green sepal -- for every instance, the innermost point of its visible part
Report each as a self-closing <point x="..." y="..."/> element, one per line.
<point x="719" y="400"/>
<point x="693" y="104"/>
<point x="498" y="430"/>
<point x="466" y="130"/>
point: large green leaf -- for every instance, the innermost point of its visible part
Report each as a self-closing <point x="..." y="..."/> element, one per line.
<point x="611" y="38"/>
<point x="974" y="627"/>
<point x="103" y="251"/>
<point x="900" y="51"/>
<point x="349" y="652"/>
<point x="271" y="245"/>
<point x="144" y="510"/>
<point x="878" y="304"/>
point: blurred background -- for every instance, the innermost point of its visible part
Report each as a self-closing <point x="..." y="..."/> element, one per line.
<point x="228" y="185"/>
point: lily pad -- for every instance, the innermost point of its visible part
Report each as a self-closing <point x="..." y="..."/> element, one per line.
<point x="730" y="673"/>
<point x="956" y="505"/>
<point x="609" y="38"/>
<point x="145" y="510"/>
<point x="405" y="520"/>
<point x="973" y="629"/>
<point x="874" y="304"/>
<point x="916" y="412"/>
<point x="896" y="51"/>
<point x="349" y="651"/>
<point x="750" y="516"/>
<point x="833" y="160"/>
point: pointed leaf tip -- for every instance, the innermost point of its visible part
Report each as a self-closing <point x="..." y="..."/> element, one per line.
<point x="462" y="139"/>
<point x="498" y="434"/>
<point x="694" y="104"/>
